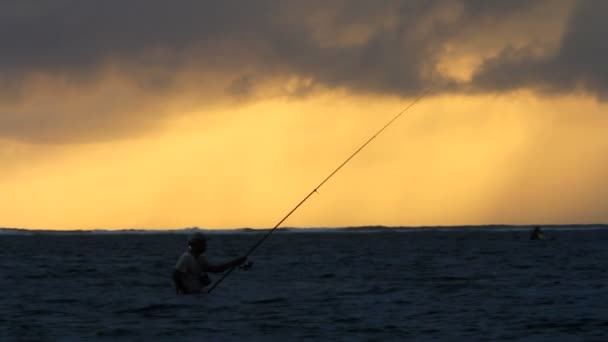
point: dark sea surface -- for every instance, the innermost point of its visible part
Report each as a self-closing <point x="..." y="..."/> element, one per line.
<point x="348" y="285"/>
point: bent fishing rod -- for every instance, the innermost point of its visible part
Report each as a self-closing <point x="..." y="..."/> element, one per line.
<point x="257" y="244"/>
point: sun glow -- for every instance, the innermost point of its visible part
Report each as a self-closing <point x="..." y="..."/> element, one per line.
<point x="450" y="160"/>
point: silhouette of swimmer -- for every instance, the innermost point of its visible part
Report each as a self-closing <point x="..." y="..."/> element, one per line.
<point x="537" y="234"/>
<point x="190" y="274"/>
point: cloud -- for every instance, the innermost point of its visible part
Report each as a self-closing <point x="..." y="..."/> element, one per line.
<point x="234" y="50"/>
<point x="577" y="64"/>
<point x="379" y="46"/>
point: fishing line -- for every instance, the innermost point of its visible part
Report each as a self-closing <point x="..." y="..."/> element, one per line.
<point x="257" y="244"/>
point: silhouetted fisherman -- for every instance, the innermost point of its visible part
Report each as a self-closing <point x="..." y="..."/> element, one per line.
<point x="537" y="234"/>
<point x="190" y="274"/>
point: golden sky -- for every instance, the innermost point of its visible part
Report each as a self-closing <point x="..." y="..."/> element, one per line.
<point x="158" y="114"/>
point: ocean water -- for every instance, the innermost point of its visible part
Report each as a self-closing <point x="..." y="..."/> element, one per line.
<point x="351" y="285"/>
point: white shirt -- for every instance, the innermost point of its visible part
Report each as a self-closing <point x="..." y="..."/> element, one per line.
<point x="192" y="269"/>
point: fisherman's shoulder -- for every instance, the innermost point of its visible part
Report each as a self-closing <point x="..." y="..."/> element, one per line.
<point x="187" y="256"/>
<point x="185" y="259"/>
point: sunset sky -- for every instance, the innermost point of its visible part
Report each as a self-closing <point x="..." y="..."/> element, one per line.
<point x="225" y="114"/>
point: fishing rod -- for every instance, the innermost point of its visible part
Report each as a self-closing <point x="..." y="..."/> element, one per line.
<point x="257" y="244"/>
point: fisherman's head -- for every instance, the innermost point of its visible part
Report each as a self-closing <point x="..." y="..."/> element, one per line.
<point x="197" y="242"/>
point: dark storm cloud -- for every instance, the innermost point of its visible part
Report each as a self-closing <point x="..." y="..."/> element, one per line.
<point x="77" y="37"/>
<point x="74" y="37"/>
<point x="378" y="47"/>
<point x="578" y="63"/>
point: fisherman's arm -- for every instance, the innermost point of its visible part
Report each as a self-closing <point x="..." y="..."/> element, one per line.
<point x="177" y="279"/>
<point x="219" y="268"/>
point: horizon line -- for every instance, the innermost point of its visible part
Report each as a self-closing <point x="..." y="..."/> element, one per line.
<point x="358" y="227"/>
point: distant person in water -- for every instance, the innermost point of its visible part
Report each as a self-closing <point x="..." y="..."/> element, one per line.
<point x="537" y="234"/>
<point x="190" y="274"/>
